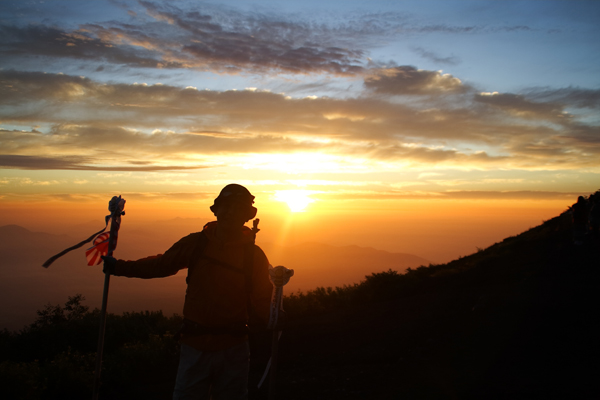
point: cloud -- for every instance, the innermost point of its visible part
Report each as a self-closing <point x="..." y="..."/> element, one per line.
<point x="217" y="38"/>
<point x="408" y="80"/>
<point x="177" y="128"/>
<point x="159" y="197"/>
<point x="432" y="56"/>
<point x="76" y="163"/>
<point x="403" y="194"/>
<point x="39" y="40"/>
<point x="378" y="194"/>
<point x="222" y="42"/>
<point x="521" y="106"/>
<point x="573" y="96"/>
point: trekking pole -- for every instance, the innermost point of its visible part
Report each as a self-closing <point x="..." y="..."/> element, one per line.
<point x="115" y="206"/>
<point x="279" y="276"/>
<point x="274" y="356"/>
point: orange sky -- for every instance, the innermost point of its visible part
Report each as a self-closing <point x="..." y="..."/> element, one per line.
<point x="430" y="128"/>
<point x="438" y="230"/>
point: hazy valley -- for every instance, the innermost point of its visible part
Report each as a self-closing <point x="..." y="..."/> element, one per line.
<point x="26" y="286"/>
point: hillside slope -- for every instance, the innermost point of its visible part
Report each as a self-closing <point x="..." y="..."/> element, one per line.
<point x="518" y="320"/>
<point x="319" y="264"/>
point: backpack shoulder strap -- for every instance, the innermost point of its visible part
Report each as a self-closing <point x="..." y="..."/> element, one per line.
<point x="198" y="251"/>
<point x="248" y="270"/>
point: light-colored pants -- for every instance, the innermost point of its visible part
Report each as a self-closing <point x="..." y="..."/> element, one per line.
<point x="216" y="375"/>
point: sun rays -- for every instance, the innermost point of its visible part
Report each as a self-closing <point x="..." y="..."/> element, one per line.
<point x="296" y="200"/>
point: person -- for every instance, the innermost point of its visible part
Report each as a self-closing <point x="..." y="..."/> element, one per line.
<point x="228" y="290"/>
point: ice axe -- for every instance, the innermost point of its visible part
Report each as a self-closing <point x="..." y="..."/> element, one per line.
<point x="279" y="277"/>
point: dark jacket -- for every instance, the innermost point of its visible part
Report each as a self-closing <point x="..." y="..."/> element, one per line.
<point x="216" y="296"/>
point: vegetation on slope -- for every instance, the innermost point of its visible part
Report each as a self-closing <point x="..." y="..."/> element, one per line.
<point x="516" y="320"/>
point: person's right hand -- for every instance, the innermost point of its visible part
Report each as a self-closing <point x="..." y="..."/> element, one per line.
<point x="109" y="264"/>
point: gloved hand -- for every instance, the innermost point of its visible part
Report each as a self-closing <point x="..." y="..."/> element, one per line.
<point x="109" y="264"/>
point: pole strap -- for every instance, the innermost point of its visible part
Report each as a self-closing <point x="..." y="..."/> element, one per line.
<point x="78" y="245"/>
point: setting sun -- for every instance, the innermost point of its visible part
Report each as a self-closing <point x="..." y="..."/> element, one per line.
<point x="296" y="200"/>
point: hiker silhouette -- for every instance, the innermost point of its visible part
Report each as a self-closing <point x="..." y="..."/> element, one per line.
<point x="228" y="292"/>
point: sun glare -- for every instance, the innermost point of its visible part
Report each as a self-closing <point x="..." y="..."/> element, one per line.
<point x="296" y="200"/>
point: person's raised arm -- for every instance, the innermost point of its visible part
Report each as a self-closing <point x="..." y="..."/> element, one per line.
<point x="176" y="258"/>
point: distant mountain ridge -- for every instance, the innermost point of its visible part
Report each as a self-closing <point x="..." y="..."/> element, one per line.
<point x="26" y="285"/>
<point x="14" y="232"/>
<point x="319" y="264"/>
<point x="19" y="246"/>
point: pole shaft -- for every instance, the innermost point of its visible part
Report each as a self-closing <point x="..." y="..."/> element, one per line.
<point x="275" y="347"/>
<point x="273" y="372"/>
<point x="100" y="350"/>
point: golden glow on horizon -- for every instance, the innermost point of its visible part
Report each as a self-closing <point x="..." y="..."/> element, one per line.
<point x="296" y="200"/>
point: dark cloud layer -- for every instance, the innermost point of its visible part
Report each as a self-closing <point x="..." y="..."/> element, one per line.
<point x="520" y="104"/>
<point x="408" y="80"/>
<point x="35" y="40"/>
<point x="218" y="39"/>
<point x="179" y="39"/>
<point x="77" y="163"/>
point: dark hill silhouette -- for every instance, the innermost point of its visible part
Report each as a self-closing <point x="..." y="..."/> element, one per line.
<point x="518" y="320"/>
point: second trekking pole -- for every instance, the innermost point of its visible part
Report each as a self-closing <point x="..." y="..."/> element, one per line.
<point x="279" y="277"/>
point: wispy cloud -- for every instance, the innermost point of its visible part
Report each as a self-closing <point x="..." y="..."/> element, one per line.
<point x="169" y="35"/>
<point x="436" y="58"/>
<point x="413" y="81"/>
<point x="78" y="164"/>
<point x="174" y="38"/>
<point x="451" y="195"/>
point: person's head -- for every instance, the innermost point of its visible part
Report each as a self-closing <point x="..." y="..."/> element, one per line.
<point x="234" y="203"/>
